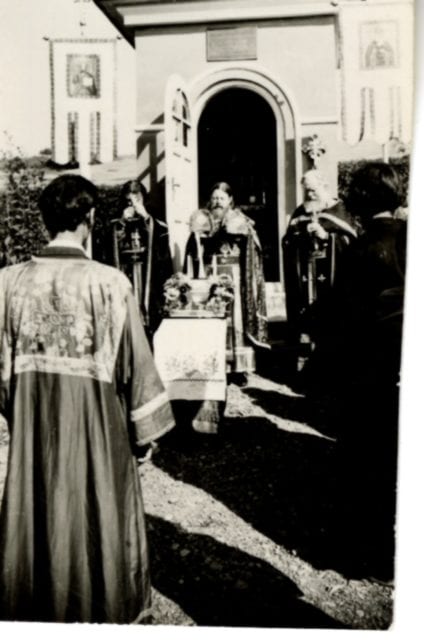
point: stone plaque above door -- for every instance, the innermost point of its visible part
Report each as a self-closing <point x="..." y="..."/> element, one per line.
<point x="231" y="43"/>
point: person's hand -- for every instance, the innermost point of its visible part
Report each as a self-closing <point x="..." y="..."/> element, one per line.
<point x="138" y="205"/>
<point x="317" y="230"/>
<point x="128" y="213"/>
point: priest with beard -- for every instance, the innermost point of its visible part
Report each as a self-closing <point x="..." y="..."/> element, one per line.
<point x="223" y="241"/>
<point x="222" y="233"/>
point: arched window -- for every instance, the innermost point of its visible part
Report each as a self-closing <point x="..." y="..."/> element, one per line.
<point x="181" y="119"/>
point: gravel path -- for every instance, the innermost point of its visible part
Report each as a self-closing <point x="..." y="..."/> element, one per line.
<point x="239" y="524"/>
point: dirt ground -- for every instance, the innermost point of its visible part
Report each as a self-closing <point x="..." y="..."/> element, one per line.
<point x="246" y="528"/>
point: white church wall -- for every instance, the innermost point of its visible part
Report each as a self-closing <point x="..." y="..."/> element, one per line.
<point x="310" y="78"/>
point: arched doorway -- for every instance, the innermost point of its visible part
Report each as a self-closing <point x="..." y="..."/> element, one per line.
<point x="237" y="143"/>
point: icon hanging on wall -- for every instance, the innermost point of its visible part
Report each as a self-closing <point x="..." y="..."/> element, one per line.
<point x="83" y="76"/>
<point x="379" y="44"/>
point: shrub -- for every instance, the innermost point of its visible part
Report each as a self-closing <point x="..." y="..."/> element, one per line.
<point x="22" y="232"/>
<point x="106" y="210"/>
<point x="347" y="169"/>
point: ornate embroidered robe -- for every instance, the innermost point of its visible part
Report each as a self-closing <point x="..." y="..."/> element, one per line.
<point x="239" y="254"/>
<point x="76" y="376"/>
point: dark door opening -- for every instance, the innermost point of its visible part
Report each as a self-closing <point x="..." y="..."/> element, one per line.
<point x="237" y="143"/>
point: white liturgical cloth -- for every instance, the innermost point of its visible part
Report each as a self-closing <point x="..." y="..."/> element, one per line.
<point x="190" y="357"/>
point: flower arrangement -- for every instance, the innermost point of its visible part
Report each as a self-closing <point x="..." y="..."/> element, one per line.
<point x="177" y="292"/>
<point x="213" y="297"/>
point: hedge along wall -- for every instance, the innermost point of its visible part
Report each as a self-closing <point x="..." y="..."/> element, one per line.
<point x="107" y="210"/>
<point x="22" y="232"/>
<point x="347" y="169"/>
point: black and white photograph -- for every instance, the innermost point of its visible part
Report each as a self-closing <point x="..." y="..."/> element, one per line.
<point x="209" y="315"/>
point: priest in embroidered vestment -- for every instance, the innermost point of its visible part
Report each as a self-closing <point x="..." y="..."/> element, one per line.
<point x="221" y="233"/>
<point x="223" y="239"/>
<point x="78" y="382"/>
<point x="318" y="239"/>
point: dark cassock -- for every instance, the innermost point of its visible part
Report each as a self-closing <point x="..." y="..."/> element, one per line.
<point x="370" y="372"/>
<point x="141" y="251"/>
<point x="367" y="366"/>
<point x="318" y="241"/>
<point x="374" y="301"/>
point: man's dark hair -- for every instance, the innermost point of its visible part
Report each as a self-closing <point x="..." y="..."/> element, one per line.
<point x="225" y="187"/>
<point x="66" y="202"/>
<point x="374" y="188"/>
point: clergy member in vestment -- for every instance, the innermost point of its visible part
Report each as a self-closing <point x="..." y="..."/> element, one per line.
<point x="223" y="241"/>
<point x="223" y="233"/>
<point x="141" y="251"/>
<point x="78" y="383"/>
<point x="318" y="239"/>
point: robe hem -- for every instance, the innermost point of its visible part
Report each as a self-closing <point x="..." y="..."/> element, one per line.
<point x="149" y="407"/>
<point x="158" y="434"/>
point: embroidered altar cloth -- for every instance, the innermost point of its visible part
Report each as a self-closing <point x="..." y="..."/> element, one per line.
<point x="190" y="357"/>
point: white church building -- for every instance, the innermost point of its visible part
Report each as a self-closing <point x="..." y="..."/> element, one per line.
<point x="206" y="90"/>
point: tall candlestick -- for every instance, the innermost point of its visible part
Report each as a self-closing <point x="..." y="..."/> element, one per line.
<point x="202" y="273"/>
<point x="190" y="267"/>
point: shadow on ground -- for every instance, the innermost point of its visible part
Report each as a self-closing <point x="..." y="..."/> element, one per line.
<point x="218" y="585"/>
<point x="303" y="492"/>
<point x="308" y="411"/>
